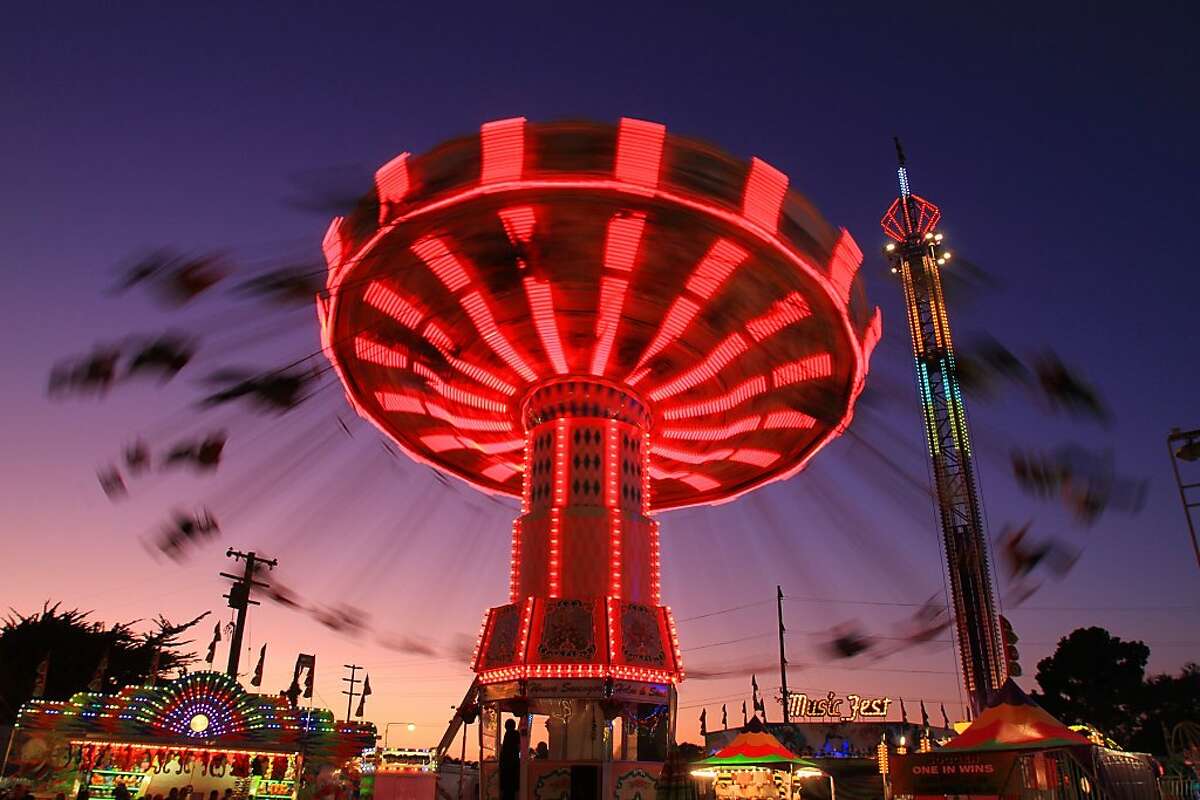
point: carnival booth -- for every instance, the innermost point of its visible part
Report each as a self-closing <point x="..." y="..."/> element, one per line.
<point x="1014" y="748"/>
<point x="756" y="766"/>
<point x="198" y="733"/>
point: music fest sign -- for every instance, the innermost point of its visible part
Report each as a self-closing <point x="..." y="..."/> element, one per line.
<point x="847" y="709"/>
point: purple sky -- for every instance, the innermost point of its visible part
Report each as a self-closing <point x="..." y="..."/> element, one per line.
<point x="1058" y="141"/>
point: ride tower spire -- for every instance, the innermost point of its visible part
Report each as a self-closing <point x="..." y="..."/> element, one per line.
<point x="916" y="254"/>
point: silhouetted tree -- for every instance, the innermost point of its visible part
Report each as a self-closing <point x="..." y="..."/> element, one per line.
<point x="1097" y="678"/>
<point x="1167" y="700"/>
<point x="76" y="645"/>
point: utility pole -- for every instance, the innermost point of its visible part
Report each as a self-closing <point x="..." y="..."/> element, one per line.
<point x="239" y="598"/>
<point x="351" y="694"/>
<point x="782" y="656"/>
<point x="1185" y="446"/>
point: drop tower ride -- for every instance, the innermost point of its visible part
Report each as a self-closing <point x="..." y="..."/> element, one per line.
<point x="916" y="255"/>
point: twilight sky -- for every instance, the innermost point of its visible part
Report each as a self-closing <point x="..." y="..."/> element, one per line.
<point x="1058" y="139"/>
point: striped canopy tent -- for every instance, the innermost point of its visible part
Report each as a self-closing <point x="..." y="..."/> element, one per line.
<point x="756" y="748"/>
<point x="1012" y="721"/>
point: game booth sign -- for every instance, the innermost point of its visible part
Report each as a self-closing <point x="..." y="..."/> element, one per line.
<point x="1014" y="748"/>
<point x="202" y="730"/>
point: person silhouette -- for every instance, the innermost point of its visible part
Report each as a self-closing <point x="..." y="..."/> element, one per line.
<point x="510" y="761"/>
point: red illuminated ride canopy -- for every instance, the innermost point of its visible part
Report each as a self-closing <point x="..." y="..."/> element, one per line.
<point x="696" y="285"/>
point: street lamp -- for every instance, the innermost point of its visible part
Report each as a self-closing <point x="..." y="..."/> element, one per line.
<point x="1185" y="446"/>
<point x="412" y="726"/>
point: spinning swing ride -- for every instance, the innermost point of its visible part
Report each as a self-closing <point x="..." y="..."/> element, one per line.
<point x="604" y="322"/>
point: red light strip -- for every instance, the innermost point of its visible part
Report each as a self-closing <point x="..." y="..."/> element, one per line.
<point x="560" y="671"/>
<point x="674" y="640"/>
<point x="554" y="552"/>
<point x="461" y="396"/>
<point x="560" y="500"/>
<point x="441" y="262"/>
<point x="873" y="334"/>
<point x="759" y="458"/>
<point x="622" y="240"/>
<point x="700" y="482"/>
<point x="691" y="457"/>
<point x="608" y="316"/>
<point x="333" y="246"/>
<point x="609" y="608"/>
<point x="726" y="402"/>
<point x="367" y="349"/>
<point x="382" y="298"/>
<point x="612" y="463"/>
<point x="481" y="375"/>
<point x="783" y="313"/>
<point x="844" y="264"/>
<point x="485" y="323"/>
<point x="519" y="222"/>
<point x="765" y="188"/>
<point x="478" y="653"/>
<point x="733" y="346"/>
<point x="391" y="184"/>
<point x="806" y="369"/>
<point x="514" y="563"/>
<point x="655" y="565"/>
<point x="503" y="150"/>
<point x="639" y="151"/>
<point x="645" y="451"/>
<point x="445" y="442"/>
<point x="788" y="419"/>
<point x="681" y="313"/>
<point x="501" y="471"/>
<point x="714" y="433"/>
<point x="469" y="423"/>
<point x="541" y="303"/>
<point x="394" y="401"/>
<point x="621" y="243"/>
<point x="526" y="624"/>
<point x="715" y="268"/>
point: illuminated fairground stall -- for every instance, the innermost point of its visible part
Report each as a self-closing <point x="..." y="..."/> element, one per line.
<point x="202" y="731"/>
<point x="756" y="766"/>
<point x="604" y="322"/>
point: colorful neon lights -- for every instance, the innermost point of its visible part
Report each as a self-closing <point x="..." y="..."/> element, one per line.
<point x="730" y="348"/>
<point x="785" y="312"/>
<point x="391" y="184"/>
<point x="518" y="222"/>
<point x="441" y="262"/>
<point x="788" y="419"/>
<point x="503" y="150"/>
<point x="395" y="401"/>
<point x="622" y="240"/>
<point x="715" y="268"/>
<point x="468" y="423"/>
<point x="765" y="188"/>
<point x="538" y="196"/>
<point x="541" y="304"/>
<point x="367" y="349"/>
<point x="844" y="264"/>
<point x="639" y="151"/>
<point x="806" y="369"/>
<point x="333" y="246"/>
<point x="758" y="458"/>
<point x="485" y="323"/>
<point x="714" y="433"/>
<point x="744" y="391"/>
<point x="382" y="298"/>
